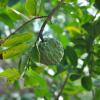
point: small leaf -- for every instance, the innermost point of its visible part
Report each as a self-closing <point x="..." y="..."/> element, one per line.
<point x="86" y="82"/>
<point x="74" y="77"/>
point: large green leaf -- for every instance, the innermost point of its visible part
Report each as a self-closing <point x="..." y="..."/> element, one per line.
<point x="86" y="82"/>
<point x="17" y="39"/>
<point x="15" y="51"/>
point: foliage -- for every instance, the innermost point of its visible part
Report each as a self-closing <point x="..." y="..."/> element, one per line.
<point x="24" y="25"/>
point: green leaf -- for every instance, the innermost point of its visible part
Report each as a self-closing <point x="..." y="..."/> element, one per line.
<point x="97" y="4"/>
<point x="34" y="79"/>
<point x="17" y="39"/>
<point x="72" y="89"/>
<point x="86" y="82"/>
<point x="15" y="51"/>
<point x="74" y="77"/>
<point x="10" y="74"/>
<point x="71" y="55"/>
<point x="31" y="6"/>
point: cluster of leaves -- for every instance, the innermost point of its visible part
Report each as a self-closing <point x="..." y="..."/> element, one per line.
<point x="73" y="25"/>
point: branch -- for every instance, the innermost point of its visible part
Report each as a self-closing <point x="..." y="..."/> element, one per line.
<point x="49" y="18"/>
<point x="62" y="87"/>
<point x="20" y="27"/>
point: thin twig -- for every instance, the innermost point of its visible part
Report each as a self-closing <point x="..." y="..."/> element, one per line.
<point x="62" y="87"/>
<point x="20" y="27"/>
<point x="48" y="19"/>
